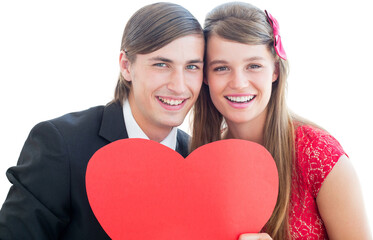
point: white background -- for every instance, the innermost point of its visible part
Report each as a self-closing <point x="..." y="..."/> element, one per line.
<point x="62" y="56"/>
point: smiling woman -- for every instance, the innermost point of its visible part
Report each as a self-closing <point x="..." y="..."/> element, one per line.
<point x="318" y="187"/>
<point x="59" y="57"/>
<point x="228" y="66"/>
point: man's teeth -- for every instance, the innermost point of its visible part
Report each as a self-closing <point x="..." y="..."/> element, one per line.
<point x="240" y="99"/>
<point x="172" y="102"/>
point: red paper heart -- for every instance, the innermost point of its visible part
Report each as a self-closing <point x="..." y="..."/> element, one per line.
<point x="140" y="189"/>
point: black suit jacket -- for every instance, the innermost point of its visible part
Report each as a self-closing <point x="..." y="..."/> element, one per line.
<point x="48" y="198"/>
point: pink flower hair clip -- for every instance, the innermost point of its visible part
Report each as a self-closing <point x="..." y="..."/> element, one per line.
<point x="276" y="33"/>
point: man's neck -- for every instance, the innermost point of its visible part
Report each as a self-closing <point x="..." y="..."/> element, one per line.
<point x="157" y="135"/>
<point x="136" y="129"/>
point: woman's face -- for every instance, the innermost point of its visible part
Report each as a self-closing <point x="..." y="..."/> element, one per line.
<point x="240" y="78"/>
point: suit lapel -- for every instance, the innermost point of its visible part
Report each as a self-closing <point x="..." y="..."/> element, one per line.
<point x="182" y="143"/>
<point x="112" y="126"/>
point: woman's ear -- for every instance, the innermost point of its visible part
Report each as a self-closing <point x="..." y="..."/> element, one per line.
<point x="276" y="72"/>
<point x="125" y="66"/>
<point x="205" y="80"/>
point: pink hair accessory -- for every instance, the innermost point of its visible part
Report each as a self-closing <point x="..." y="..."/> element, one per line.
<point x="276" y="33"/>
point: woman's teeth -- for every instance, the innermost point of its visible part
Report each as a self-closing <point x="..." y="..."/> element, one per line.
<point x="172" y="102"/>
<point x="241" y="99"/>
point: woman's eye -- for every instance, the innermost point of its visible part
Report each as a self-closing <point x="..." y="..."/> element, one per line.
<point x="219" y="69"/>
<point x="254" y="66"/>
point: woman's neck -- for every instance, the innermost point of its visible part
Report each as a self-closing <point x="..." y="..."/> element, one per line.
<point x="251" y="131"/>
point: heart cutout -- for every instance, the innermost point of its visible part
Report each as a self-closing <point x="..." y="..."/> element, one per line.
<point x="140" y="189"/>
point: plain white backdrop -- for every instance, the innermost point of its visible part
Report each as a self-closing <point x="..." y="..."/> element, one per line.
<point x="62" y="56"/>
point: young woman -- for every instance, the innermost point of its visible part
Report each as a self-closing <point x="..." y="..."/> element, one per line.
<point x="244" y="97"/>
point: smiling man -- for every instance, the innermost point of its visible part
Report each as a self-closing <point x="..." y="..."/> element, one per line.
<point x="164" y="84"/>
<point x="161" y="72"/>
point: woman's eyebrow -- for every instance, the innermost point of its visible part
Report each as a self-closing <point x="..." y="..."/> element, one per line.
<point x="253" y="58"/>
<point x="217" y="62"/>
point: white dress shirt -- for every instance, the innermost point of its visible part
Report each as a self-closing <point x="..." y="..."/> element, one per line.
<point x="134" y="130"/>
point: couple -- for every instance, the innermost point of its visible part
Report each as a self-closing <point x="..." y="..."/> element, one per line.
<point x="163" y="64"/>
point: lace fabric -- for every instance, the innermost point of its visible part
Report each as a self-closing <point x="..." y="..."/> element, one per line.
<point x="317" y="152"/>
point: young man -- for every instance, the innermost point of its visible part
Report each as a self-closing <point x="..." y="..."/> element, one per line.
<point x="161" y="64"/>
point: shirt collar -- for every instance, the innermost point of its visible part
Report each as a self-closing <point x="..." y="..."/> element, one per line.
<point x="134" y="130"/>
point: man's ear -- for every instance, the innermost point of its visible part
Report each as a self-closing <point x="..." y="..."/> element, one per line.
<point x="276" y="72"/>
<point x="125" y="66"/>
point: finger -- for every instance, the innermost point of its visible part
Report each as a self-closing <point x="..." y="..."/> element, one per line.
<point x="255" y="236"/>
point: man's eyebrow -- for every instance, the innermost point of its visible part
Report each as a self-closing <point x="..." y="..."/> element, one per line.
<point x="195" y="61"/>
<point x="161" y="59"/>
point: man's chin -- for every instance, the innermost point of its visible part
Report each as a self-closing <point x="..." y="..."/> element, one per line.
<point x="172" y="123"/>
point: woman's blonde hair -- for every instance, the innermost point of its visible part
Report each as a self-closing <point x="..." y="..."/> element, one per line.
<point x="245" y="23"/>
<point x="151" y="28"/>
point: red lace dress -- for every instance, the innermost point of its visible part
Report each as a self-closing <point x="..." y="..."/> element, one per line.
<point x="317" y="152"/>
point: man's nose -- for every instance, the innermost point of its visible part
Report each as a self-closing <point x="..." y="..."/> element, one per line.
<point x="177" y="82"/>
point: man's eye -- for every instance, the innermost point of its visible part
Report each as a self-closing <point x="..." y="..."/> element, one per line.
<point x="192" y="67"/>
<point x="160" y="65"/>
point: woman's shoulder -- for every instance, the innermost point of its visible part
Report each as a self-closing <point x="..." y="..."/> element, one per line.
<point x="315" y="138"/>
<point x="309" y="130"/>
<point x="317" y="152"/>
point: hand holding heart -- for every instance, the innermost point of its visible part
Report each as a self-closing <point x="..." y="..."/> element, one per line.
<point x="140" y="189"/>
<point x="255" y="236"/>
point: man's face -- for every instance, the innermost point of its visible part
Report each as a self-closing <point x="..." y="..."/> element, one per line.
<point x="165" y="84"/>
